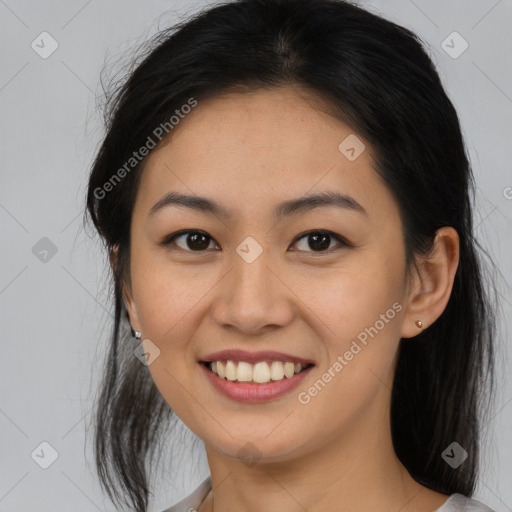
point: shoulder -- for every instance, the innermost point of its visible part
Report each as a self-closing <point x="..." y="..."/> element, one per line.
<point x="193" y="500"/>
<point x="461" y="503"/>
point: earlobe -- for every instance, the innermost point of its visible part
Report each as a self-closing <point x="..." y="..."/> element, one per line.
<point x="433" y="283"/>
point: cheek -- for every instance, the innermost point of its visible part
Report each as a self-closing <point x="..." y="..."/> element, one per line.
<point x="359" y="311"/>
<point x="165" y="294"/>
<point x="351" y="298"/>
<point x="168" y="302"/>
<point x="361" y="347"/>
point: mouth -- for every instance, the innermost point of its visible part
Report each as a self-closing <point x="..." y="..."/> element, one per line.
<point x="261" y="372"/>
<point x="258" y="382"/>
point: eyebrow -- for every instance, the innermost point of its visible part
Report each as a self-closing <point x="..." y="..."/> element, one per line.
<point x="289" y="207"/>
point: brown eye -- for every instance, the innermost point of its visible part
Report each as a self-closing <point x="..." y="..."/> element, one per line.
<point x="191" y="241"/>
<point x="320" y="241"/>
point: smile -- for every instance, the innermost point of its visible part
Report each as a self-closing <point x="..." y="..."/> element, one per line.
<point x="259" y="373"/>
<point x="254" y="383"/>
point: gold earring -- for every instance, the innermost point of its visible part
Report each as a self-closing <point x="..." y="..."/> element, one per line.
<point x="419" y="323"/>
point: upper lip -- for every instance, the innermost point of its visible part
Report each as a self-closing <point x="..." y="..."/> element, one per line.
<point x="254" y="357"/>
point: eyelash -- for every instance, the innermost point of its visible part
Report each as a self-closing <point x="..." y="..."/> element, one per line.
<point x="169" y="239"/>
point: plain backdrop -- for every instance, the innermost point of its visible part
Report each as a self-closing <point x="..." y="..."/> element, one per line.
<point x="54" y="304"/>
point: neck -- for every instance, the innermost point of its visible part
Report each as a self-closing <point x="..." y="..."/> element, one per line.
<point x="356" y="471"/>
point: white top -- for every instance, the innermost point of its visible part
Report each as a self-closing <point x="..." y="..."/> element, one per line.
<point x="455" y="503"/>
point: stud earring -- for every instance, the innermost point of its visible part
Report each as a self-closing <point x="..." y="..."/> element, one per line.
<point x="136" y="334"/>
<point x="419" y="323"/>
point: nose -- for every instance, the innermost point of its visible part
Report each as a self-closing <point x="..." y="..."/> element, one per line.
<point x="253" y="297"/>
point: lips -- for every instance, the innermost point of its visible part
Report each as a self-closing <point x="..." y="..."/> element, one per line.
<point x="254" y="357"/>
<point x="254" y="393"/>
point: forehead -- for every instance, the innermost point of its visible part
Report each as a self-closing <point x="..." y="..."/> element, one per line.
<point x="262" y="146"/>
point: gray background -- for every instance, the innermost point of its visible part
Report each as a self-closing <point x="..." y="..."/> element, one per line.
<point x="55" y="313"/>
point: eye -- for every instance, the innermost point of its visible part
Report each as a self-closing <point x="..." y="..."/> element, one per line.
<point x="320" y="240"/>
<point x="193" y="240"/>
<point x="199" y="241"/>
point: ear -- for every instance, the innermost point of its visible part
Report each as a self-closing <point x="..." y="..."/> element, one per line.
<point x="432" y="285"/>
<point x="126" y="290"/>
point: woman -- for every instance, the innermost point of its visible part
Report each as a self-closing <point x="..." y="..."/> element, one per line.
<point x="285" y="197"/>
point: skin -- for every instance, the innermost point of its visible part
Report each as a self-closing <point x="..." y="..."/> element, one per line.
<point x="250" y="151"/>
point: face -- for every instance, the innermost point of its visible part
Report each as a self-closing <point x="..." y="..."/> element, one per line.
<point x="321" y="283"/>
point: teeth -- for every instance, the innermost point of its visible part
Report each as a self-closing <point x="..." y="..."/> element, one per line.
<point x="221" y="369"/>
<point x="230" y="370"/>
<point x="244" y="372"/>
<point x="289" y="370"/>
<point x="276" y="370"/>
<point x="259" y="373"/>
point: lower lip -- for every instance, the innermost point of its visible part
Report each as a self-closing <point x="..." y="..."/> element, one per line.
<point x="254" y="393"/>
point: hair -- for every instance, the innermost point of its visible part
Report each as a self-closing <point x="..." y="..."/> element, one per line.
<point x="377" y="78"/>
